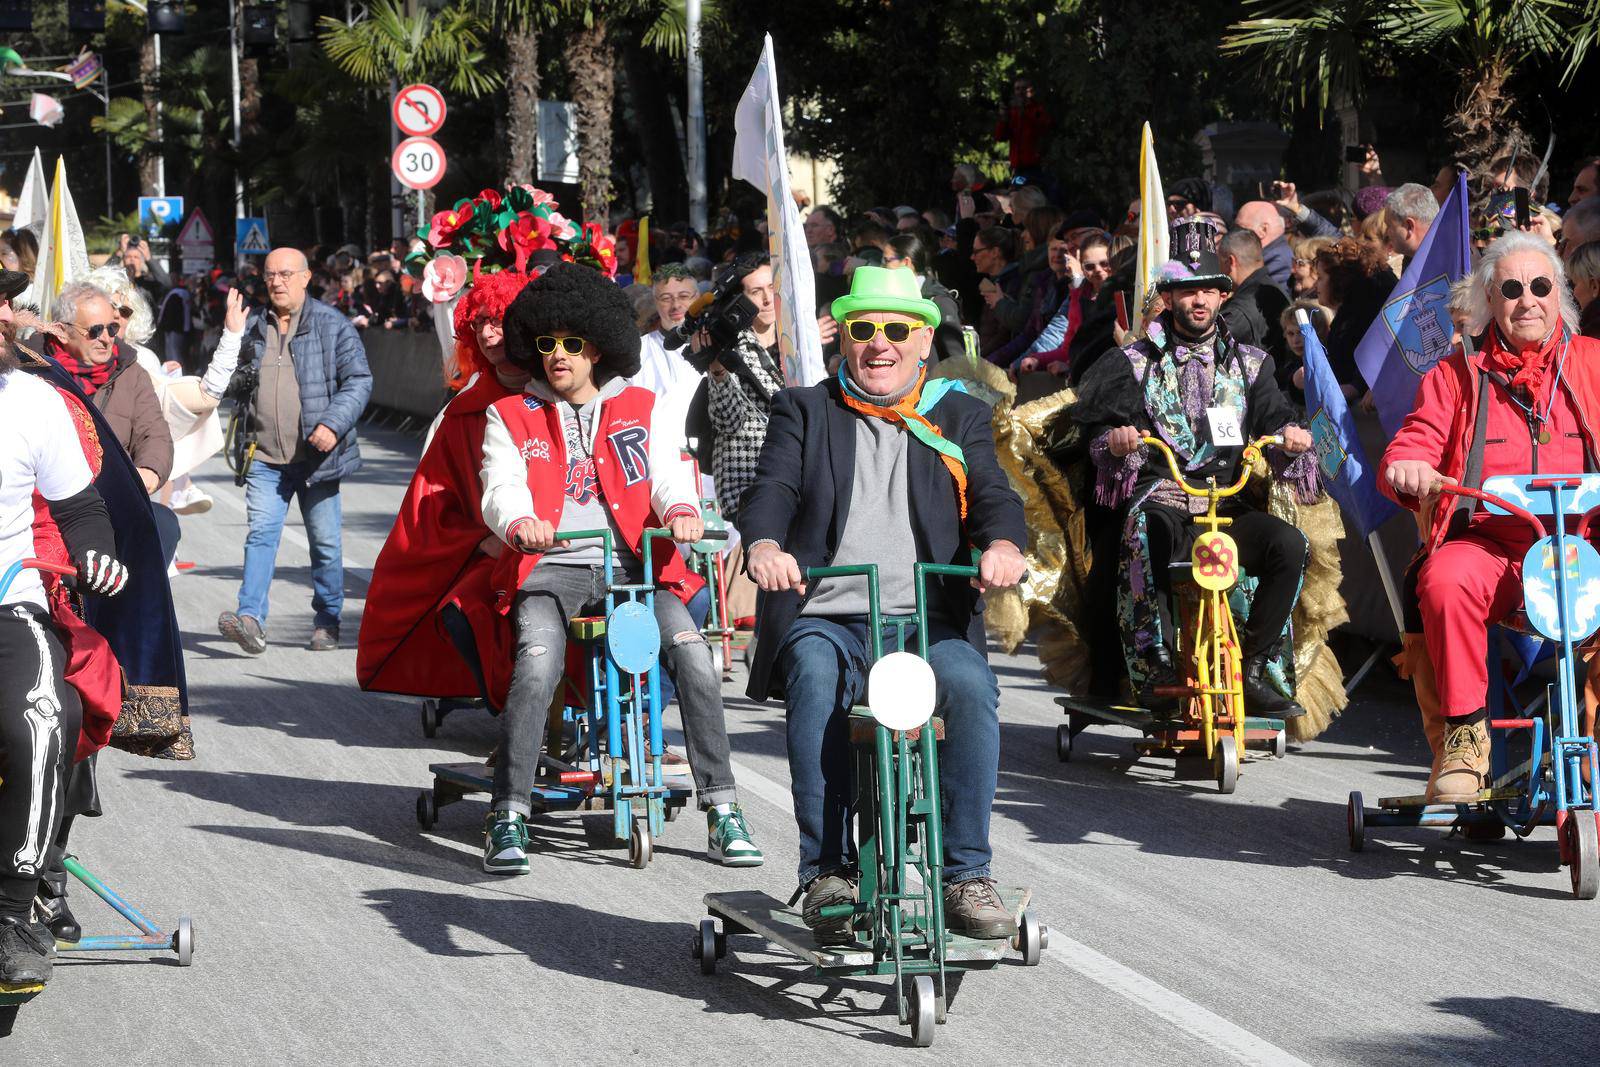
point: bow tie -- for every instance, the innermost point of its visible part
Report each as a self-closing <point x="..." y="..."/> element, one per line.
<point x="1183" y="353"/>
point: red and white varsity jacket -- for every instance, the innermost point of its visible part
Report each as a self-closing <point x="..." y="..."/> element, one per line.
<point x="643" y="477"/>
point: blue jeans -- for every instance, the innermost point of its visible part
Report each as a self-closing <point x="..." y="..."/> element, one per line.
<point x="268" y="488"/>
<point x="824" y="665"/>
<point x="699" y="610"/>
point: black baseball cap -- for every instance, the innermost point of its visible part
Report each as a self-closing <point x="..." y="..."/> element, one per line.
<point x="12" y="283"/>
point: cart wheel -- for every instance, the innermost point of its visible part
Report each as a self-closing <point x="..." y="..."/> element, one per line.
<point x="427" y="809"/>
<point x="183" y="942"/>
<point x="1585" y="867"/>
<point x="1486" y="831"/>
<point x="430" y="718"/>
<point x="1064" y="743"/>
<point x="639" y="844"/>
<point x="673" y="811"/>
<point x="1029" y="940"/>
<point x="923" y="1011"/>
<point x="1225" y="764"/>
<point x="1280" y="744"/>
<point x="1355" y="820"/>
<point x="705" y="946"/>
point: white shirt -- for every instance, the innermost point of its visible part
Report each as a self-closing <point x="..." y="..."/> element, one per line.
<point x="39" y="449"/>
<point x="669" y="376"/>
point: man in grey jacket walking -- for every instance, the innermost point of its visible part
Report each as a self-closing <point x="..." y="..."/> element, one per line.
<point x="313" y="384"/>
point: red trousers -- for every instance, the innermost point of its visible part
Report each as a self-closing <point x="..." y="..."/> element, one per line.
<point x="1467" y="584"/>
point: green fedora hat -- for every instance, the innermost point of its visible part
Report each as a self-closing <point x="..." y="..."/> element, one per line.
<point x="885" y="289"/>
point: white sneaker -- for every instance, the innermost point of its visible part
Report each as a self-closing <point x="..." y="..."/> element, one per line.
<point x="191" y="501"/>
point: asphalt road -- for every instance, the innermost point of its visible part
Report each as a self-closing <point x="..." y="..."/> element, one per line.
<point x="1187" y="927"/>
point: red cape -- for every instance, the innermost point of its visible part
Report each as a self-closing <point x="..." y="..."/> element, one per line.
<point x="431" y="559"/>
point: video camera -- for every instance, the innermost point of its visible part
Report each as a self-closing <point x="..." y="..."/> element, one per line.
<point x="724" y="313"/>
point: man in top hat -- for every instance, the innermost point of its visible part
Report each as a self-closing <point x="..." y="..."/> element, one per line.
<point x="1191" y="384"/>
<point x="880" y="465"/>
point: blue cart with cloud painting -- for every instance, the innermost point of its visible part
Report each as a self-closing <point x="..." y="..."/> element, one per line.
<point x="1542" y="764"/>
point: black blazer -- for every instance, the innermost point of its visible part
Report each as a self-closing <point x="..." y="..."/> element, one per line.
<point x="801" y="496"/>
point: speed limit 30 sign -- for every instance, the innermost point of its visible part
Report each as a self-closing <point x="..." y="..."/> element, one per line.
<point x="418" y="163"/>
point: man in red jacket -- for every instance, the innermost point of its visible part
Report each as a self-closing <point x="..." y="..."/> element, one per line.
<point x="577" y="451"/>
<point x="1526" y="401"/>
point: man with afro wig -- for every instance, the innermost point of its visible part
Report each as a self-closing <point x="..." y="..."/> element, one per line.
<point x="577" y="451"/>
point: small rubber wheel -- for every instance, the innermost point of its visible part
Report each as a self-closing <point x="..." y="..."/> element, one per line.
<point x="430" y="718"/>
<point x="1064" y="743"/>
<point x="1585" y="869"/>
<point x="705" y="946"/>
<point x="639" y="845"/>
<point x="1225" y="764"/>
<point x="1355" y="820"/>
<point x="1029" y="940"/>
<point x="183" y="942"/>
<point x="427" y="809"/>
<point x="923" y="1011"/>
<point x="673" y="811"/>
<point x="1493" y="830"/>
<point x="1280" y="744"/>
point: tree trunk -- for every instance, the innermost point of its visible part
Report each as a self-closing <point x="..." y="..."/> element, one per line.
<point x="591" y="61"/>
<point x="249" y="97"/>
<point x="522" y="104"/>
<point x="149" y="154"/>
<point x="651" y="104"/>
<point x="1482" y="127"/>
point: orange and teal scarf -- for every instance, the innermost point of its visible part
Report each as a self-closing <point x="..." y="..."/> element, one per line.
<point x="911" y="412"/>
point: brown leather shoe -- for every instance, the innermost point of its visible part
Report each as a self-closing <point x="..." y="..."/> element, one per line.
<point x="1464" y="768"/>
<point x="243" y="630"/>
<point x="974" y="908"/>
<point x="324" y="639"/>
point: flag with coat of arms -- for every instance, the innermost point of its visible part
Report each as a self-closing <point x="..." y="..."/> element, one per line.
<point x="1346" y="472"/>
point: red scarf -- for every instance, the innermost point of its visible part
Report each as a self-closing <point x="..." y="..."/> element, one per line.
<point x="1527" y="367"/>
<point x="89" y="376"/>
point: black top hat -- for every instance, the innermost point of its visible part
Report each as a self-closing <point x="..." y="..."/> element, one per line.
<point x="12" y="283"/>
<point x="1192" y="261"/>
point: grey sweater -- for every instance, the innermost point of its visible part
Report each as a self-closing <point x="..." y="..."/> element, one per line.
<point x="877" y="528"/>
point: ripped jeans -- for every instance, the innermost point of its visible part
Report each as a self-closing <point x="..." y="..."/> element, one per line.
<point x="557" y="592"/>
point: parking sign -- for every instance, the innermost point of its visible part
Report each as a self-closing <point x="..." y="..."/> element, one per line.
<point x="156" y="213"/>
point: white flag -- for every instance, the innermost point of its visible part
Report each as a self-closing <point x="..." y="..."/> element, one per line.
<point x="759" y="158"/>
<point x="1154" y="236"/>
<point x="34" y="203"/>
<point x="63" y="253"/>
<point x="45" y="110"/>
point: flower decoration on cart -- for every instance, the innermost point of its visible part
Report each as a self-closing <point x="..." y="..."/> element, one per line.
<point x="501" y="230"/>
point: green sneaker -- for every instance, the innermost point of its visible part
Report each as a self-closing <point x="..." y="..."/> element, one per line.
<point x="728" y="839"/>
<point x="505" y="844"/>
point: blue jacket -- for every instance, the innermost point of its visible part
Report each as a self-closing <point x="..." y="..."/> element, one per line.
<point x="330" y="366"/>
<point x="802" y="492"/>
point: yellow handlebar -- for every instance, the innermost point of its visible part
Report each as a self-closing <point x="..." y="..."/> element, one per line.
<point x="1252" y="452"/>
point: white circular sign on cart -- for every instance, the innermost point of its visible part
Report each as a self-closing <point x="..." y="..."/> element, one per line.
<point x="418" y="162"/>
<point x="418" y="110"/>
<point x="901" y="691"/>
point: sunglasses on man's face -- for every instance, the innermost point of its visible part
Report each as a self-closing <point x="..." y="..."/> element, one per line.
<point x="1540" y="287"/>
<point x="572" y="346"/>
<point x="94" y="332"/>
<point x="862" y="331"/>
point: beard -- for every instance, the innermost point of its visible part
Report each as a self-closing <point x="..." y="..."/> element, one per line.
<point x="8" y="347"/>
<point x="1184" y="323"/>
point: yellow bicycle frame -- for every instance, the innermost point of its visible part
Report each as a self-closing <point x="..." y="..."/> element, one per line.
<point x="1217" y="680"/>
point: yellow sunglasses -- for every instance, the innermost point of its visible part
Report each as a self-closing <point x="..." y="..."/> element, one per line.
<point x="862" y="331"/>
<point x="572" y="346"/>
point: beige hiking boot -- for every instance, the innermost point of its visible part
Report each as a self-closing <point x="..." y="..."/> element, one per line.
<point x="1464" y="769"/>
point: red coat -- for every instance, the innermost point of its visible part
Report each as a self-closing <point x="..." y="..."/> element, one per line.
<point x="643" y="480"/>
<point x="433" y="557"/>
<point x="1439" y="429"/>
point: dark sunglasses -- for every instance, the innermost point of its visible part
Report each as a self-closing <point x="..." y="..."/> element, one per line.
<point x="93" y="333"/>
<point x="862" y="331"/>
<point x="572" y="346"/>
<point x="1540" y="287"/>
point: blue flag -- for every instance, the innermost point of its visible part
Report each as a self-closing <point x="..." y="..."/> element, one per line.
<point x="1413" y="330"/>
<point x="1345" y="470"/>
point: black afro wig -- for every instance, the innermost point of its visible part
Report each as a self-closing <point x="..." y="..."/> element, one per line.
<point x="580" y="301"/>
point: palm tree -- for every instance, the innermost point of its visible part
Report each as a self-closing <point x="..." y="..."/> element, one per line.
<point x="520" y="22"/>
<point x="445" y="46"/>
<point x="1330" y="48"/>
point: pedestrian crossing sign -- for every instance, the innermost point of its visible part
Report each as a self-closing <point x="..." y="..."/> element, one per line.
<point x="250" y="237"/>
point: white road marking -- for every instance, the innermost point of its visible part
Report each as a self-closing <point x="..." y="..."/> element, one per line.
<point x="1198" y="1022"/>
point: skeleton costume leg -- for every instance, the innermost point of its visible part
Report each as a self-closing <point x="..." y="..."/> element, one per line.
<point x="38" y="737"/>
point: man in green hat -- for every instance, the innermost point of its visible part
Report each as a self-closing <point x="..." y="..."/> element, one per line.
<point x="882" y="466"/>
